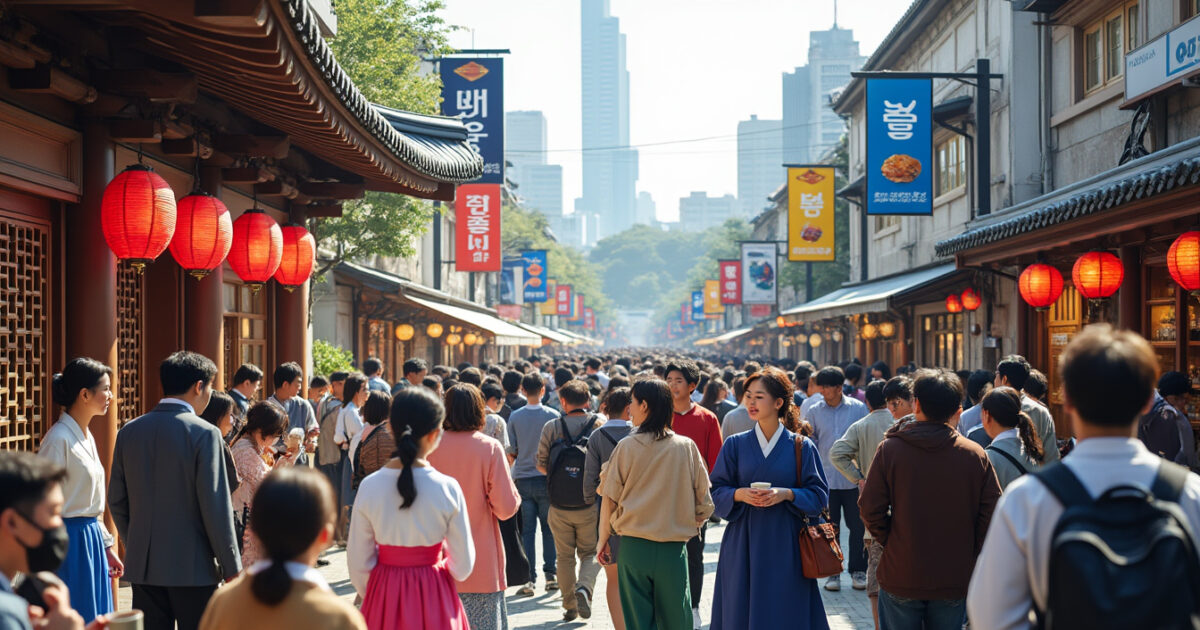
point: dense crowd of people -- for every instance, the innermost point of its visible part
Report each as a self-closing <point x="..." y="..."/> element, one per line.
<point x="437" y="485"/>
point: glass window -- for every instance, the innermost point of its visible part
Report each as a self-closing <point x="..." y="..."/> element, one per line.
<point x="943" y="340"/>
<point x="951" y="164"/>
<point x="1114" y="38"/>
<point x="1092" y="47"/>
<point x="1105" y="42"/>
<point x="1132" y="26"/>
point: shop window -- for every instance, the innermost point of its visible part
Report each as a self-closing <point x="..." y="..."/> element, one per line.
<point x="1104" y="44"/>
<point x="27" y="267"/>
<point x="951" y="164"/>
<point x="381" y="344"/>
<point x="245" y="328"/>
<point x="943" y="337"/>
<point x="883" y="222"/>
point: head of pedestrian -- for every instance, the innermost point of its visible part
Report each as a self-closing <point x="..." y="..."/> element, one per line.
<point x="265" y="424"/>
<point x="651" y="409"/>
<point x="880" y="370"/>
<point x="1012" y="371"/>
<point x="682" y="377"/>
<point x="373" y="367"/>
<point x="511" y="382"/>
<point x="375" y="407"/>
<point x="739" y="389"/>
<point x="471" y="376"/>
<point x="337" y="384"/>
<point x="592" y="365"/>
<point x="574" y="395"/>
<point x="978" y="385"/>
<point x="465" y="410"/>
<point x="493" y="396"/>
<point x="616" y="403"/>
<point x="188" y="376"/>
<point x="1108" y="379"/>
<point x="533" y="387"/>
<point x="874" y="395"/>
<point x="292" y="515"/>
<point x="1001" y="411"/>
<point x="289" y="380"/>
<point x="83" y="389"/>
<point x="219" y="412"/>
<point x="355" y="390"/>
<point x="769" y="398"/>
<point x="853" y="374"/>
<point x="247" y="379"/>
<point x="434" y="383"/>
<point x="1037" y="386"/>
<point x="1176" y="389"/>
<point x="416" y="420"/>
<point x="898" y="394"/>
<point x="829" y="383"/>
<point x="317" y="388"/>
<point x="415" y="370"/>
<point x="32" y="535"/>
<point x="937" y="396"/>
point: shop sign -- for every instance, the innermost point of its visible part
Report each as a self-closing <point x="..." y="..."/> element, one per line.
<point x="810" y="214"/>
<point x="534" y="275"/>
<point x="759" y="274"/>
<point x="550" y="306"/>
<point x="564" y="300"/>
<point x="477" y="233"/>
<point x="899" y="146"/>
<point x="697" y="306"/>
<point x="509" y="311"/>
<point x="473" y="90"/>
<point x="731" y="281"/>
<point x="712" y="298"/>
<point x="1163" y="61"/>
<point x="589" y="318"/>
<point x="511" y="277"/>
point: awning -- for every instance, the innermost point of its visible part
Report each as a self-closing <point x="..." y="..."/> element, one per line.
<point x="868" y="297"/>
<point x="506" y="334"/>
<point x="708" y="341"/>
<point x="731" y="335"/>
<point x="552" y="335"/>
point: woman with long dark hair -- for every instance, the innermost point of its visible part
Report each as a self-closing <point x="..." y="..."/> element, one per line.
<point x="265" y="423"/>
<point x="83" y="390"/>
<point x="219" y="413"/>
<point x="760" y="583"/>
<point x="1016" y="448"/>
<point x="655" y="491"/>
<point x="293" y="511"/>
<point x="410" y="537"/>
<point x="377" y="444"/>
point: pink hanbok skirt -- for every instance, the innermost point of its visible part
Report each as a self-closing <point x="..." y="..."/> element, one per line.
<point x="411" y="589"/>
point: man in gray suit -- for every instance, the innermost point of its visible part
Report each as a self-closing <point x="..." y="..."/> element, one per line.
<point x="169" y="496"/>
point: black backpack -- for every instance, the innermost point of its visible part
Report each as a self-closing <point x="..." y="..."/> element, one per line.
<point x="567" y="457"/>
<point x="1124" y="560"/>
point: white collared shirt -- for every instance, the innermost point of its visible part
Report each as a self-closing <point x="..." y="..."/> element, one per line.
<point x="618" y="423"/>
<point x="73" y="448"/>
<point x="176" y="401"/>
<point x="1011" y="433"/>
<point x="765" y="444"/>
<point x="298" y="571"/>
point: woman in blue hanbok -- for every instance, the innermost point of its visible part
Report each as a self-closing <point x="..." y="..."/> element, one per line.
<point x="760" y="583"/>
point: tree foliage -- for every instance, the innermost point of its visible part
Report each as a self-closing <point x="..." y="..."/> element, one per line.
<point x="641" y="262"/>
<point x="328" y="358"/>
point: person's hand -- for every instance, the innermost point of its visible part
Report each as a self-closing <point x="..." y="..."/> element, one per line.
<point x="862" y="483"/>
<point x="602" y="552"/>
<point x="769" y="496"/>
<point x="99" y="623"/>
<point x="58" y="614"/>
<point x="116" y="568"/>
<point x="742" y="495"/>
<point x="285" y="459"/>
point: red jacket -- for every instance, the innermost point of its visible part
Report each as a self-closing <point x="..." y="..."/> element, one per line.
<point x="702" y="427"/>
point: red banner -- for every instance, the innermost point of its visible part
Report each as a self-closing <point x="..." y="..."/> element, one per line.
<point x="731" y="282"/>
<point x="509" y="311"/>
<point x="685" y="314"/>
<point x="563" y="300"/>
<point x="477" y="217"/>
<point x="589" y="319"/>
<point x="761" y="310"/>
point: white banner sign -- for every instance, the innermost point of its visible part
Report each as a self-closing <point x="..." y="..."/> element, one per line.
<point x="1163" y="61"/>
<point x="759" y="273"/>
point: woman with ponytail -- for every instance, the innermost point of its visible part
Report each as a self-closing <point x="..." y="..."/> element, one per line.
<point x="1016" y="448"/>
<point x="83" y="390"/>
<point x="410" y="537"/>
<point x="293" y="513"/>
<point x="760" y="583"/>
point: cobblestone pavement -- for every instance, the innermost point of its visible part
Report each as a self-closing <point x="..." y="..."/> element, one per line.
<point x="847" y="609"/>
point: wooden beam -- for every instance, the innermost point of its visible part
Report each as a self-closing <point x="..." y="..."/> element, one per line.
<point x="324" y="210"/>
<point x="44" y="79"/>
<point x="184" y="147"/>
<point x="155" y="86"/>
<point x="243" y="175"/>
<point x="14" y="56"/>
<point x="333" y="190"/>
<point x="242" y="13"/>
<point x="135" y="130"/>
<point x="253" y="146"/>
<point x="275" y="189"/>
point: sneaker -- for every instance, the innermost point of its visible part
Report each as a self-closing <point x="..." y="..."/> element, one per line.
<point x="583" y="600"/>
<point x="570" y="615"/>
<point x="551" y="583"/>
<point x="834" y="583"/>
<point x="322" y="562"/>
<point x="526" y="591"/>
<point x="695" y="619"/>
<point x="859" y="579"/>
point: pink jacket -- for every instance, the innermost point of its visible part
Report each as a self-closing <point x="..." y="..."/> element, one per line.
<point x="478" y="463"/>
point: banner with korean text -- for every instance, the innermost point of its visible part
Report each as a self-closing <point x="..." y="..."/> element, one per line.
<point x="712" y="299"/>
<point x="473" y="90"/>
<point x="564" y="300"/>
<point x="534" y="276"/>
<point x="698" y="306"/>
<point x="685" y="314"/>
<point x="509" y="311"/>
<point x="810" y="214"/>
<point x="731" y="281"/>
<point x="576" y="315"/>
<point x="759" y="273"/>
<point x="589" y="318"/>
<point x="477" y="229"/>
<point x="550" y="306"/>
<point x="899" y="146"/>
<point x="511" y="274"/>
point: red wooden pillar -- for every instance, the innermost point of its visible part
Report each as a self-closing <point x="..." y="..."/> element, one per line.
<point x="1130" y="296"/>
<point x="291" y="323"/>
<point x="204" y="300"/>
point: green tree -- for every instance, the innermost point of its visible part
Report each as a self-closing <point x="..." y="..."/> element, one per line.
<point x="328" y="358"/>
<point x="640" y="251"/>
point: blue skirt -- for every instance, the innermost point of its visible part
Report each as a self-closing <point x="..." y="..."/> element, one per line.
<point x="85" y="571"/>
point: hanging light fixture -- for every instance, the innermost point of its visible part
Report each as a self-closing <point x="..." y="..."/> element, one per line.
<point x="970" y="299"/>
<point x="1097" y="275"/>
<point x="1183" y="261"/>
<point x="257" y="248"/>
<point x="868" y="331"/>
<point x="814" y="340"/>
<point x="780" y="322"/>
<point x="137" y="215"/>
<point x="836" y="336"/>
<point x="470" y="339"/>
<point x="404" y="332"/>
<point x="480" y="339"/>
<point x="453" y="339"/>
<point x="1040" y="285"/>
<point x="203" y="234"/>
<point x="299" y="254"/>
<point x="887" y="330"/>
<point x="953" y="304"/>
<point x="434" y="330"/>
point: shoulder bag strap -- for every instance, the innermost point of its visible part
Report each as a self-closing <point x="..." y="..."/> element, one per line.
<point x="607" y="436"/>
<point x="1064" y="485"/>
<point x="1168" y="483"/>
<point x="1015" y="462"/>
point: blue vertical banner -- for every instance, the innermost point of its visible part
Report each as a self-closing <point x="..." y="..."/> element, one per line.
<point x="536" y="275"/>
<point x="697" y="306"/>
<point x="899" y="146"/>
<point x="511" y="272"/>
<point x="473" y="89"/>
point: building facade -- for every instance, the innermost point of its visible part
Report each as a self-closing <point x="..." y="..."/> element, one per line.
<point x="810" y="126"/>
<point x="700" y="211"/>
<point x="760" y="163"/>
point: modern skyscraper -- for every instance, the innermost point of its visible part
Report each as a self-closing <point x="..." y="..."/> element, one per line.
<point x="760" y="163"/>
<point x="699" y="211"/>
<point x="539" y="184"/>
<point x="525" y="138"/>
<point x="647" y="210"/>
<point x="810" y="128"/>
<point x="610" y="168"/>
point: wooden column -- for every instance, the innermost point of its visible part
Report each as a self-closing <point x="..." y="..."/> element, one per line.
<point x="1130" y="296"/>
<point x="204" y="307"/>
<point x="291" y="322"/>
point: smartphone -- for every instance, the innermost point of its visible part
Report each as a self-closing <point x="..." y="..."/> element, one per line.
<point x="605" y="557"/>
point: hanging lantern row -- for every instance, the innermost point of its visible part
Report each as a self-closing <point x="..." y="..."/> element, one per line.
<point x="953" y="303"/>
<point x="970" y="299"/>
<point x="140" y="219"/>
<point x="1097" y="275"/>
<point x="404" y="332"/>
<point x="887" y="329"/>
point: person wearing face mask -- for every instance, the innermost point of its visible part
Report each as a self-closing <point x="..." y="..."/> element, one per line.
<point x="83" y="390"/>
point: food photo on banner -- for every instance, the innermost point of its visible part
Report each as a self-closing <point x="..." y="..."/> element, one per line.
<point x="473" y="90"/>
<point x="564" y="300"/>
<point x="759" y="274"/>
<point x="510" y="278"/>
<point x="731" y="282"/>
<point x="899" y="146"/>
<point x="550" y="306"/>
<point x="810" y="213"/>
<point x="534" y="274"/>
<point x="712" y="299"/>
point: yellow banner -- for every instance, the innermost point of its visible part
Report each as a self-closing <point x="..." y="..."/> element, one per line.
<point x="549" y="307"/>
<point x="712" y="298"/>
<point x="810" y="214"/>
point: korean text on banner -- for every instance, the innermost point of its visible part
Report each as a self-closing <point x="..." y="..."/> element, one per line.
<point x="697" y="306"/>
<point x="511" y="277"/>
<point x="564" y="300"/>
<point x="589" y="318"/>
<point x="477" y="237"/>
<point x="712" y="298"/>
<point x="899" y="146"/>
<point x="759" y="273"/>
<point x="577" y="309"/>
<point x="550" y="306"/>
<point x="810" y="214"/>
<point x="685" y="314"/>
<point x="534" y="275"/>
<point x="473" y="89"/>
<point x="731" y="281"/>
<point x="509" y="311"/>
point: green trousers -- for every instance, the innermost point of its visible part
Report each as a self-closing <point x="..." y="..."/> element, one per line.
<point x="653" y="580"/>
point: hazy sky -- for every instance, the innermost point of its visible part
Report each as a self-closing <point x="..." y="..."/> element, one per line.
<point x="696" y="68"/>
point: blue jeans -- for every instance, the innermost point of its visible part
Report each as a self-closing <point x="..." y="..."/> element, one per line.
<point x="899" y="613"/>
<point x="535" y="506"/>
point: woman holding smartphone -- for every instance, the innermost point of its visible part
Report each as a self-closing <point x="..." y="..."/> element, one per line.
<point x="655" y="491"/>
<point x="755" y="488"/>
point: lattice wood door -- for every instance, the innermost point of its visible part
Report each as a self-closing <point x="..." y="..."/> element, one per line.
<point x="26" y="259"/>
<point x="129" y="344"/>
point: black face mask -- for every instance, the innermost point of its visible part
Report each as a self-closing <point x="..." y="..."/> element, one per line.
<point x="49" y="554"/>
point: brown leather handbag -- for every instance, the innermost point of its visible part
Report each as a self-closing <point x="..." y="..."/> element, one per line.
<point x="820" y="553"/>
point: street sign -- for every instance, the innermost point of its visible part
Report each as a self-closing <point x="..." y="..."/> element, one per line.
<point x="473" y="89"/>
<point x="810" y="214"/>
<point x="731" y="281"/>
<point x="899" y="146"/>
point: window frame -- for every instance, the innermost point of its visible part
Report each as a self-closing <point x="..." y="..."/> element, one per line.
<point x="1109" y="70"/>
<point x="956" y="147"/>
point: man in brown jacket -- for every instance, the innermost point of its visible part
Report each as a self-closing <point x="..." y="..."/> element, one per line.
<point x="940" y="489"/>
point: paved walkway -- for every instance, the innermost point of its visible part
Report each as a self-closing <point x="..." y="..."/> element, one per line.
<point x="847" y="610"/>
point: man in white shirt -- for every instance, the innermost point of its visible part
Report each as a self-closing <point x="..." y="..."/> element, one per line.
<point x="1108" y="381"/>
<point x="592" y="366"/>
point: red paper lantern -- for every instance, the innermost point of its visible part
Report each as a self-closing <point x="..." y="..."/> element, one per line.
<point x="257" y="248"/>
<point x="953" y="304"/>
<point x="1183" y="261"/>
<point x="299" y="254"/>
<point x="203" y="234"/>
<point x="1097" y="275"/>
<point x="137" y="215"/>
<point x="971" y="299"/>
<point x="1040" y="285"/>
